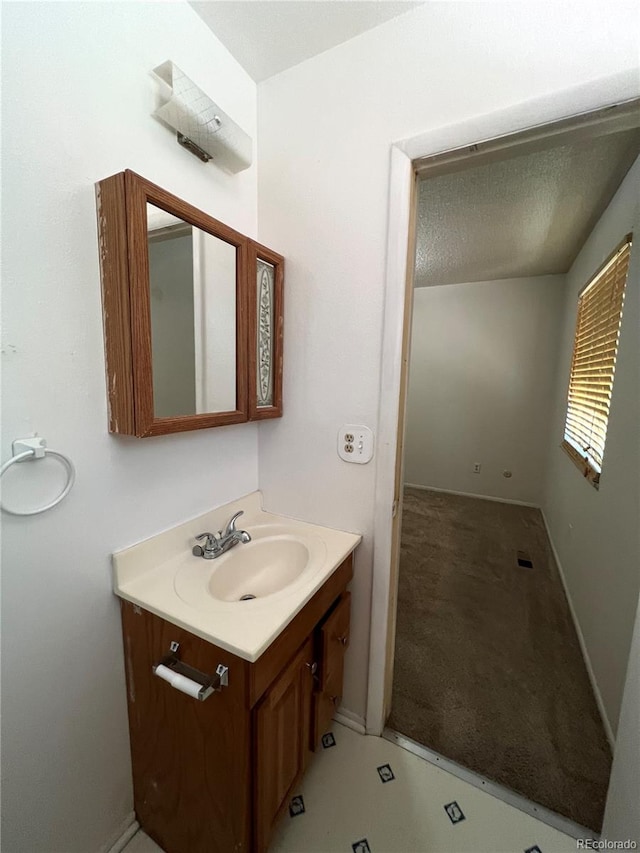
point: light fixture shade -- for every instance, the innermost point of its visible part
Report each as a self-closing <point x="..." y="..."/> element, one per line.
<point x="194" y="115"/>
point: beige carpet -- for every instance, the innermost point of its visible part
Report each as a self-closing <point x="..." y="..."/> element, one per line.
<point x="488" y="669"/>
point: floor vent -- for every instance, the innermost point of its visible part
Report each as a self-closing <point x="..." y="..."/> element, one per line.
<point x="524" y="561"/>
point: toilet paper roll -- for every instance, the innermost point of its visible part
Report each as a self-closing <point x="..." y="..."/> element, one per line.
<point x="180" y="682"/>
<point x="163" y="671"/>
<point x="186" y="685"/>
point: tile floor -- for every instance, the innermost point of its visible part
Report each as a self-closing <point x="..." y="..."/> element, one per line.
<point x="367" y="795"/>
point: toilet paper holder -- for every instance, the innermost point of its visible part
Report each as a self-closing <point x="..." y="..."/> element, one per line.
<point x="188" y="679"/>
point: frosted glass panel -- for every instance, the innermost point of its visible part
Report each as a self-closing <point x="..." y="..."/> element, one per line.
<point x="265" y="284"/>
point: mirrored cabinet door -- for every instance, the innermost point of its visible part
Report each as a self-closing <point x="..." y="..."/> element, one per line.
<point x="175" y="302"/>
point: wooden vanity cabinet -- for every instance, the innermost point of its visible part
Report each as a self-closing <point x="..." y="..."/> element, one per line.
<point x="216" y="776"/>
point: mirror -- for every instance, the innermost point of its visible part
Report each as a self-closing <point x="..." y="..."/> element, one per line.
<point x="192" y="283"/>
<point x="193" y="314"/>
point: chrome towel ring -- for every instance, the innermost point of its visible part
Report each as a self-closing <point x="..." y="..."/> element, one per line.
<point x="36" y="448"/>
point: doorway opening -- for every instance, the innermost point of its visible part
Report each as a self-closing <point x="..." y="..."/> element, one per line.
<point x="490" y="624"/>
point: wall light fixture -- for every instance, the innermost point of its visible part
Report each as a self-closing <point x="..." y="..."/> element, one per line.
<point x="201" y="126"/>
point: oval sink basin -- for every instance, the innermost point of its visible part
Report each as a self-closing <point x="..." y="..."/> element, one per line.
<point x="273" y="564"/>
<point x="265" y="566"/>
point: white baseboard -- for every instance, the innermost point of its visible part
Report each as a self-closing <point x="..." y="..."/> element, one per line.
<point x="350" y="720"/>
<point x="122" y="836"/>
<point x="583" y="645"/>
<point x="471" y="495"/>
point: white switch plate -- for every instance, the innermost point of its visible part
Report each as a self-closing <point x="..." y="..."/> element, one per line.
<point x="355" y="443"/>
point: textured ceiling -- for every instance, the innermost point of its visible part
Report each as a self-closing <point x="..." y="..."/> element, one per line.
<point x="267" y="36"/>
<point x="524" y="216"/>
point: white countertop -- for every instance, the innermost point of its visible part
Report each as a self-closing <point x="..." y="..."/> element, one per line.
<point x="152" y="575"/>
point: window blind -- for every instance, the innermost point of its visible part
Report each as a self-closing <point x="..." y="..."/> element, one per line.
<point x="593" y="362"/>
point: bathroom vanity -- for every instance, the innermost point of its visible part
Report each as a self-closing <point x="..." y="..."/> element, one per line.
<point x="217" y="773"/>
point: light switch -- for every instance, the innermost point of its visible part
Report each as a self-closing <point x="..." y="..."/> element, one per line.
<point x="355" y="443"/>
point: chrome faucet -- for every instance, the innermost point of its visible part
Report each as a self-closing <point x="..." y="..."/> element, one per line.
<point x="216" y="546"/>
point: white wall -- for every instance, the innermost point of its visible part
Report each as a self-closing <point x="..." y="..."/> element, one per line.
<point x="325" y="129"/>
<point x="596" y="531"/>
<point x="77" y="97"/>
<point x="622" y="815"/>
<point x="482" y="372"/>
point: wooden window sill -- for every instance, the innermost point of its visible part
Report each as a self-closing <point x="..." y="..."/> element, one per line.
<point x="589" y="474"/>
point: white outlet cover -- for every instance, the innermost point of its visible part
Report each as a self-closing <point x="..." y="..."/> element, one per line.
<point x="355" y="443"/>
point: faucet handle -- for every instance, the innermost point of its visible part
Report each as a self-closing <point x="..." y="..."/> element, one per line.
<point x="206" y="536"/>
<point x="231" y="526"/>
<point x="212" y="542"/>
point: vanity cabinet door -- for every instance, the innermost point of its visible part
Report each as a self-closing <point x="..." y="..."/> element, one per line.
<point x="281" y="732"/>
<point x="333" y="641"/>
<point x="175" y="293"/>
<point x="191" y="759"/>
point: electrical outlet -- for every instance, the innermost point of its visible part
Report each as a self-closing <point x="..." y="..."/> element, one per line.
<point x="355" y="443"/>
<point x="476" y="467"/>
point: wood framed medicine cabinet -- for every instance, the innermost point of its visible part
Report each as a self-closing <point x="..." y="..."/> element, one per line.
<point x="193" y="314"/>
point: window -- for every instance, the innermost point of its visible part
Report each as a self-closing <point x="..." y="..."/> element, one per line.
<point x="593" y="363"/>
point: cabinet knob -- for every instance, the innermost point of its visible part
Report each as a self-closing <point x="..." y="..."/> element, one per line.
<point x="313" y="667"/>
<point x="344" y="640"/>
<point x="335" y="700"/>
